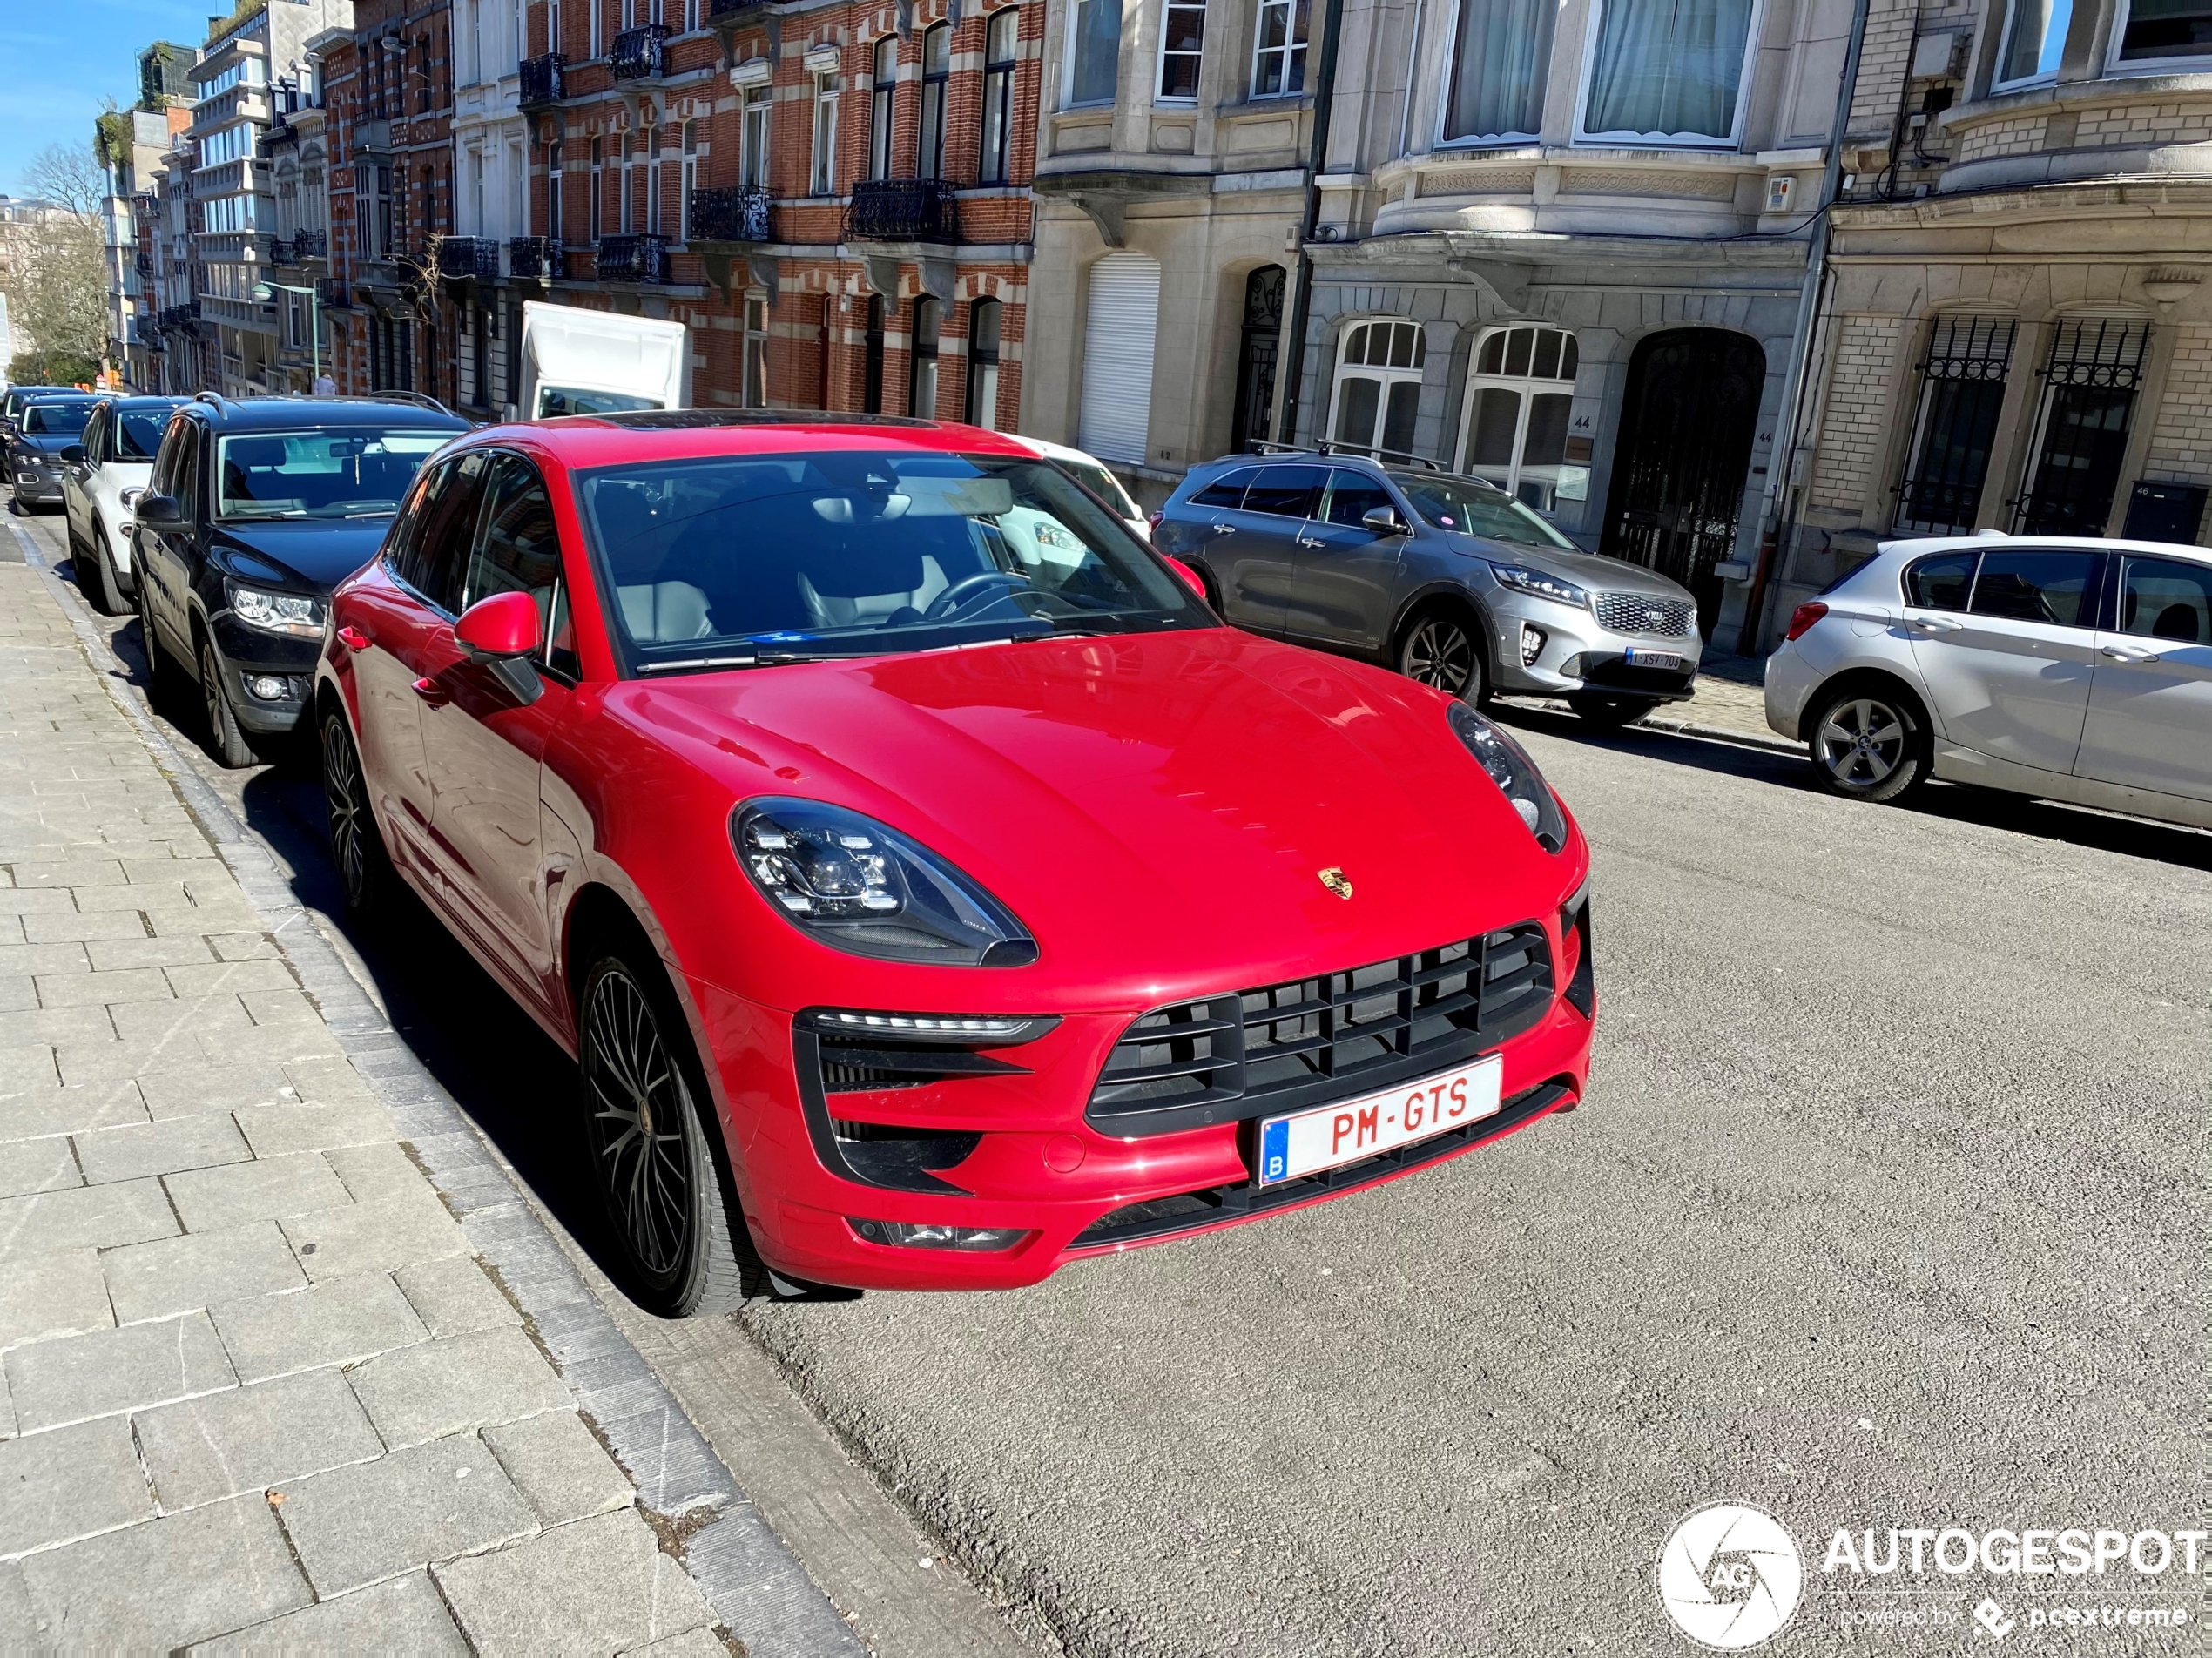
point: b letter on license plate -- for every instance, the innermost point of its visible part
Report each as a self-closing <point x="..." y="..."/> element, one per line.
<point x="1305" y="1143"/>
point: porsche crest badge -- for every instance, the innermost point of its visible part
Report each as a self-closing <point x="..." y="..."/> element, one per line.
<point x="1332" y="877"/>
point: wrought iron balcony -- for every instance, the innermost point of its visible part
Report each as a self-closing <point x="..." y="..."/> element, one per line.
<point x="469" y="257"/>
<point x="729" y="214"/>
<point x="142" y="263"/>
<point x="332" y="294"/>
<point x="737" y="13"/>
<point x="640" y="54"/>
<point x="633" y="258"/>
<point x="543" y="79"/>
<point x="281" y="253"/>
<point x="902" y="210"/>
<point x="533" y="258"/>
<point x="311" y="244"/>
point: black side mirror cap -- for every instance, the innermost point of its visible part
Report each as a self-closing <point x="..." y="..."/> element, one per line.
<point x="73" y="455"/>
<point x="157" y="512"/>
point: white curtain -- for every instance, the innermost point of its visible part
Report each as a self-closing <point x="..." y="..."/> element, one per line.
<point x="1097" y="51"/>
<point x="1498" y="71"/>
<point x="1669" y="68"/>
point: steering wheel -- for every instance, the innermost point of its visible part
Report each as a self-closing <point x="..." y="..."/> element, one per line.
<point x="957" y="596"/>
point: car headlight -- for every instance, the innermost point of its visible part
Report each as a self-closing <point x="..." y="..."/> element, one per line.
<point x="857" y="886"/>
<point x="290" y="613"/>
<point x="1521" y="579"/>
<point x="1515" y="773"/>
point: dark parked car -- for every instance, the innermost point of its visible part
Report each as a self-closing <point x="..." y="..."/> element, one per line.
<point x="1447" y="579"/>
<point x="257" y="508"/>
<point x="44" y="428"/>
<point x="15" y="397"/>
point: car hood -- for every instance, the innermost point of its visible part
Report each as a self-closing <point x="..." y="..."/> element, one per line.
<point x="1165" y="802"/>
<point x="1592" y="570"/>
<point x="300" y="552"/>
<point x="49" y="444"/>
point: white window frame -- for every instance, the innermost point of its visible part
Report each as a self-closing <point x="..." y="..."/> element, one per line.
<point x="1388" y="376"/>
<point x="688" y="178"/>
<point x="821" y="160"/>
<point x="2004" y="47"/>
<point x="1289" y="45"/>
<point x="652" y="181"/>
<point x="1529" y="388"/>
<point x="756" y="155"/>
<point x="1160" y="94"/>
<point x="753" y="346"/>
<point x="1494" y="140"/>
<point x="598" y="44"/>
<point x="1068" y="61"/>
<point x="883" y="108"/>
<point x="2190" y="63"/>
<point x="1734" y="141"/>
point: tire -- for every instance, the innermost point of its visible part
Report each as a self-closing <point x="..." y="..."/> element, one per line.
<point x="105" y="592"/>
<point x="158" y="675"/>
<point x="225" y="741"/>
<point x="1441" y="650"/>
<point x="356" y="843"/>
<point x="647" y="1120"/>
<point x="1610" y="713"/>
<point x="1868" y="744"/>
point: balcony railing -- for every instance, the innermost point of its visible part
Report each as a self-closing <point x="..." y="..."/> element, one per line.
<point x="633" y="258"/>
<point x="469" y="257"/>
<point x="142" y="263"/>
<point x="283" y="254"/>
<point x="729" y="215"/>
<point x="902" y="210"/>
<point x="542" y="80"/>
<point x="736" y="14"/>
<point x="312" y="244"/>
<point x="640" y="53"/>
<point x="531" y="258"/>
<point x="332" y="294"/>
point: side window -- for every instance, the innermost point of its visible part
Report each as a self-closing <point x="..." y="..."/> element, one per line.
<point x="164" y="460"/>
<point x="1285" y="491"/>
<point x="185" y="480"/>
<point x="1227" y="491"/>
<point x="2164" y="599"/>
<point x="1352" y="495"/>
<point x="431" y="562"/>
<point x="91" y="439"/>
<point x="1941" y="583"/>
<point x="2031" y="585"/>
<point x="518" y="550"/>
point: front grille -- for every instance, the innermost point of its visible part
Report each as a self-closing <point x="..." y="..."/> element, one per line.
<point x="1315" y="1040"/>
<point x="1638" y="613"/>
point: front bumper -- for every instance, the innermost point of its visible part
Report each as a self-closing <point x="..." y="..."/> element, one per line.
<point x="36" y="487"/>
<point x="1579" y="654"/>
<point x="246" y="656"/>
<point x="1039" y="1166"/>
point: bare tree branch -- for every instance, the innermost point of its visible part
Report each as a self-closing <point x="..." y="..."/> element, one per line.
<point x="68" y="176"/>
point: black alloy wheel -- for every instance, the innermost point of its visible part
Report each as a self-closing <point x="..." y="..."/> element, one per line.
<point x="662" y="1183"/>
<point x="356" y="843"/>
<point x="1867" y="744"/>
<point x="1440" y="652"/>
<point x="158" y="676"/>
<point x="226" y="740"/>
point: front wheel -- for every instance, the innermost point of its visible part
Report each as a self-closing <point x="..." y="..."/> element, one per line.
<point x="108" y="592"/>
<point x="1439" y="650"/>
<point x="356" y="843"/>
<point x="646" y="1113"/>
<point x="1868" y="745"/>
<point x="226" y="739"/>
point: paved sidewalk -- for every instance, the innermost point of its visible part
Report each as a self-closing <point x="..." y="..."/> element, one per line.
<point x="260" y="1387"/>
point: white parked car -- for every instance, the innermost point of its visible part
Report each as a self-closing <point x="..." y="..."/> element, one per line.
<point x="101" y="482"/>
<point x="1091" y="473"/>
<point x="2073" y="669"/>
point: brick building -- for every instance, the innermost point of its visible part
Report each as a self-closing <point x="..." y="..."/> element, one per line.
<point x="834" y="197"/>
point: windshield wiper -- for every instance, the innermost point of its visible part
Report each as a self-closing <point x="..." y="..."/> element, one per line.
<point x="758" y="659"/>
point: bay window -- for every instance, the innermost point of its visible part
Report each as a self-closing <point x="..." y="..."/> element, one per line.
<point x="2175" y="32"/>
<point x="1093" y="59"/>
<point x="2034" y="37"/>
<point x="1499" y="63"/>
<point x="1183" y="37"/>
<point x="1667" y="72"/>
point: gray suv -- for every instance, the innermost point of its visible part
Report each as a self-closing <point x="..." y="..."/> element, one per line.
<point x="1447" y="579"/>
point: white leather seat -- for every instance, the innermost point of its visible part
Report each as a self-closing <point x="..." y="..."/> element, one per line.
<point x="834" y="611"/>
<point x="660" y="612"/>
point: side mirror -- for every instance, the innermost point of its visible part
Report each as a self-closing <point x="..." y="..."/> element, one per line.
<point x="1383" y="521"/>
<point x="1190" y="577"/>
<point x="493" y="630"/>
<point x="158" y="512"/>
<point x="73" y="455"/>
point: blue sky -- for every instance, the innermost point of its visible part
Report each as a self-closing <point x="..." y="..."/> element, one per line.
<point x="58" y="58"/>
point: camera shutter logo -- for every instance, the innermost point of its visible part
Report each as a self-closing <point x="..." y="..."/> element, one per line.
<point x="1729" y="1576"/>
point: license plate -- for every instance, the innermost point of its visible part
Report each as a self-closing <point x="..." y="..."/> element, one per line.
<point x="1305" y="1143"/>
<point x="1639" y="658"/>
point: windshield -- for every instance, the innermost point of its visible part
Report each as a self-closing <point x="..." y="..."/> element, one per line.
<point x="351" y="472"/>
<point x="747" y="561"/>
<point x="138" y="433"/>
<point x="1104" y="484"/>
<point x="568" y="400"/>
<point x="1476" y="509"/>
<point x="56" y="419"/>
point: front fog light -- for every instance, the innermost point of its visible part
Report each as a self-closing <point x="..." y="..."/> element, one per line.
<point x="1532" y="643"/>
<point x="910" y="1235"/>
<point x="268" y="687"/>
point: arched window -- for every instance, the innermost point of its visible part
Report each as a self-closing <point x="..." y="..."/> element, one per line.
<point x="1513" y="432"/>
<point x="936" y="75"/>
<point x="872" y="358"/>
<point x="922" y="370"/>
<point x="983" y="323"/>
<point x="1378" y="388"/>
<point x="879" y="109"/>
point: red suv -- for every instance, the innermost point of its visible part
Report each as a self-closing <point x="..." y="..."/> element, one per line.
<point x="918" y="870"/>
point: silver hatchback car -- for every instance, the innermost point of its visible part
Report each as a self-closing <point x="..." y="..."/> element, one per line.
<point x="2073" y="669"/>
<point x="1447" y="579"/>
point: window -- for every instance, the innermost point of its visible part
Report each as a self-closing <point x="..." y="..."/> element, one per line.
<point x="1941" y="583"/>
<point x="552" y="30"/>
<point x="689" y="181"/>
<point x="2081" y="430"/>
<point x="2163" y="32"/>
<point x="591" y="10"/>
<point x="295" y="322"/>
<point x="1228" y="491"/>
<point x="936" y="73"/>
<point x="553" y="191"/>
<point x="922" y="374"/>
<point x="1285" y="491"/>
<point x="2034" y="37"/>
<point x="1962" y="389"/>
<point x="752" y="142"/>
<point x="1183" y="36"/>
<point x="824" y="182"/>
<point x="1378" y="386"/>
<point x="872" y="357"/>
<point x="518" y="550"/>
<point x="755" y="351"/>
<point x="883" y="88"/>
<point x="999" y="41"/>
<point x="652" y="184"/>
<point x="597" y="188"/>
<point x="1279" y="48"/>
<point x="1093" y="59"/>
<point x="692" y="11"/>
<point x="2028" y="585"/>
<point x="1121" y="323"/>
<point x="1500" y="60"/>
<point x="1352" y="496"/>
<point x="432" y="552"/>
<point x="984" y="324"/>
<point x="2164" y="599"/>
<point x="1259" y="346"/>
<point x="1668" y="71"/>
<point x="1513" y="430"/>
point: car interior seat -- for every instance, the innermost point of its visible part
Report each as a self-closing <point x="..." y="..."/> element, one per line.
<point x="2177" y="622"/>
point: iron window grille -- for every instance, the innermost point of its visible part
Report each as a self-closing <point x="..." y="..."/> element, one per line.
<point x="2090" y="380"/>
<point x="727" y="214"/>
<point x="1962" y="391"/>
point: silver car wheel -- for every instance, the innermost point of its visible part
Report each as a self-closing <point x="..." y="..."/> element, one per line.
<point x="1439" y="653"/>
<point x="1861" y="742"/>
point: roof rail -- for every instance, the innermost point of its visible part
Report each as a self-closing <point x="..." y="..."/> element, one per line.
<point x="418" y="399"/>
<point x="1366" y="451"/>
<point x="216" y="398"/>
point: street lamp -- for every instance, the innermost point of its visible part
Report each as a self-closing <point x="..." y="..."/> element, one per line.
<point x="265" y="293"/>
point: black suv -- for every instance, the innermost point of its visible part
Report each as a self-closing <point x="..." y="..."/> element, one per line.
<point x="256" y="509"/>
<point x="37" y="431"/>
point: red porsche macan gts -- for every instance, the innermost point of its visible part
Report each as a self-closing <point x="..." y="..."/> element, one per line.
<point x="932" y="890"/>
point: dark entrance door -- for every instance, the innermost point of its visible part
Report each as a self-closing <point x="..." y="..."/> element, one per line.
<point x="1256" y="352"/>
<point x="1686" y="429"/>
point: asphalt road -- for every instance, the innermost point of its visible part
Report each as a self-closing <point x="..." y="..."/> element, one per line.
<point x="1884" y="1209"/>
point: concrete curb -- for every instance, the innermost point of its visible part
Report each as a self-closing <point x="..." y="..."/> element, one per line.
<point x="755" y="1585"/>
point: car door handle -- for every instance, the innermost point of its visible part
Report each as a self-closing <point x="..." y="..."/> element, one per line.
<point x="2127" y="653"/>
<point x="353" y="638"/>
<point x="1308" y="540"/>
<point x="1223" y="529"/>
<point x="432" y="692"/>
<point x="1937" y="625"/>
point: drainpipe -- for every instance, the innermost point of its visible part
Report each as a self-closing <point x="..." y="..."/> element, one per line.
<point x="1793" y="387"/>
<point x="1324" y="88"/>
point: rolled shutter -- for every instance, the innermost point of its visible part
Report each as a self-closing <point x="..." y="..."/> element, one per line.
<point x="1117" y="356"/>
